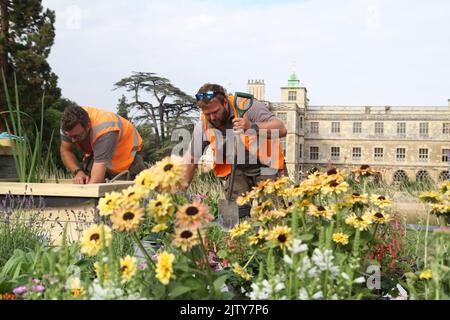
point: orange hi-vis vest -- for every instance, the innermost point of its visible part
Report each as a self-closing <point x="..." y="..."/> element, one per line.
<point x="128" y="143"/>
<point x="263" y="150"/>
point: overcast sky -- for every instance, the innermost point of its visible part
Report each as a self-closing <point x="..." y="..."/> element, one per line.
<point x="348" y="52"/>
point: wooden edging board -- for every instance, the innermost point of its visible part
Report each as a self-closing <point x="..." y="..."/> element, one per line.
<point x="63" y="189"/>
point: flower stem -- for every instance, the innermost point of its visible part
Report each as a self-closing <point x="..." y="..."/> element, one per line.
<point x="147" y="256"/>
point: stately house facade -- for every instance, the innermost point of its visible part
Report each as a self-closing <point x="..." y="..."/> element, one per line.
<point x="411" y="143"/>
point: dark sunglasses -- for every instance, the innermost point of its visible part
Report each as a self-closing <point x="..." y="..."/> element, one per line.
<point x="205" y="95"/>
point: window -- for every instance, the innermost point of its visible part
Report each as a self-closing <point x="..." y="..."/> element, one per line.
<point x="292" y="95"/>
<point x="282" y="116"/>
<point x="356" y="153"/>
<point x="400" y="176"/>
<point x="444" y="175"/>
<point x="423" y="154"/>
<point x="401" y="154"/>
<point x="423" y="129"/>
<point x="446" y="128"/>
<point x="300" y="151"/>
<point x="335" y="127"/>
<point x="314" y="127"/>
<point x="423" y="175"/>
<point x="379" y="128"/>
<point x="283" y="145"/>
<point x="314" y="153"/>
<point x="357" y="127"/>
<point x="378" y="154"/>
<point x="445" y="155"/>
<point x="401" y="129"/>
<point x="301" y="122"/>
<point x="335" y="153"/>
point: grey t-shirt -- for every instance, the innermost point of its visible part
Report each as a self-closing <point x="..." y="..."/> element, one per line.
<point x="258" y="112"/>
<point x="103" y="148"/>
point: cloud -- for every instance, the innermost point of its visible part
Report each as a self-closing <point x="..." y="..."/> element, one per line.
<point x="346" y="52"/>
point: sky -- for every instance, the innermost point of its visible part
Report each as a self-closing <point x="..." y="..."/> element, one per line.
<point x="345" y="52"/>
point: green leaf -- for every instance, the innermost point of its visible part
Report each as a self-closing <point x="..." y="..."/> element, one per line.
<point x="222" y="254"/>
<point x="219" y="282"/>
<point x="306" y="237"/>
<point x="178" y="291"/>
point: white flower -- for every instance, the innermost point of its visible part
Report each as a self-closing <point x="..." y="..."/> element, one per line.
<point x="287" y="259"/>
<point x="324" y="261"/>
<point x="360" y="280"/>
<point x="334" y="297"/>
<point x="298" y="247"/>
<point x="318" y="295"/>
<point x="279" y="287"/>
<point x="345" y="276"/>
<point x="303" y="294"/>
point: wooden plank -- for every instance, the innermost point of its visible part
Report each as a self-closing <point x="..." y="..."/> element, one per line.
<point x="5" y="151"/>
<point x="63" y="189"/>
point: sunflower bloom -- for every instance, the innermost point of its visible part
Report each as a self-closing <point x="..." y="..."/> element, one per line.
<point x="440" y="209"/>
<point x="444" y="187"/>
<point x="239" y="229"/>
<point x="159" y="227"/>
<point x="127" y="218"/>
<point x="380" y="217"/>
<point x="360" y="223"/>
<point x="335" y="186"/>
<point x="334" y="174"/>
<point x="94" y="238"/>
<point x="108" y="203"/>
<point x="102" y="270"/>
<point x="164" y="268"/>
<point x="170" y="175"/>
<point x="364" y="171"/>
<point x="430" y="197"/>
<point x="320" y="211"/>
<point x="146" y="180"/>
<point x="259" y="236"/>
<point x="185" y="239"/>
<point x="341" y="238"/>
<point x="131" y="196"/>
<point x="426" y="275"/>
<point x="193" y="215"/>
<point x="381" y="201"/>
<point x="241" y="272"/>
<point x="281" y="235"/>
<point x="128" y="267"/>
<point x="76" y="290"/>
<point x="356" y="198"/>
<point x="161" y="208"/>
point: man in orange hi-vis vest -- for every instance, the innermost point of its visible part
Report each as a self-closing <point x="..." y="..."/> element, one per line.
<point x="111" y="145"/>
<point x="259" y="156"/>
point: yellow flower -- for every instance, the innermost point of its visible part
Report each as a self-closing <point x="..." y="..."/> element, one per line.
<point x="381" y="201"/>
<point x="76" y="290"/>
<point x="239" y="229"/>
<point x="276" y="185"/>
<point x="185" y="238"/>
<point x="164" y="268"/>
<point x="320" y="211"/>
<point x="259" y="236"/>
<point x="170" y="175"/>
<point x="128" y="267"/>
<point x="241" y="272"/>
<point x="131" y="196"/>
<point x="426" y="275"/>
<point x="127" y="218"/>
<point x="430" y="197"/>
<point x="193" y="215"/>
<point x="356" y="198"/>
<point x="341" y="238"/>
<point x="360" y="223"/>
<point x="380" y="217"/>
<point x="364" y="171"/>
<point x="161" y="208"/>
<point x="245" y="198"/>
<point x="444" y="187"/>
<point x="93" y="237"/>
<point x="146" y="180"/>
<point x="440" y="209"/>
<point x="108" y="203"/>
<point x="334" y="186"/>
<point x="101" y="270"/>
<point x="159" y="227"/>
<point x="334" y="174"/>
<point x="281" y="235"/>
<point x="260" y="208"/>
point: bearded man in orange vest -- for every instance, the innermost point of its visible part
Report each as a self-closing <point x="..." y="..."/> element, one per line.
<point x="260" y="152"/>
<point x="111" y="145"/>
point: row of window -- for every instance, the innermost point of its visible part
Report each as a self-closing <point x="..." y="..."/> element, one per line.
<point x="378" y="153"/>
<point x="379" y="128"/>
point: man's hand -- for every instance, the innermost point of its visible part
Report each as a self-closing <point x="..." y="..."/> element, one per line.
<point x="241" y="124"/>
<point x="81" y="178"/>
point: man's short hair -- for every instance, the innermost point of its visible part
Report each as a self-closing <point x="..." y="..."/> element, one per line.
<point x="220" y="93"/>
<point x="72" y="116"/>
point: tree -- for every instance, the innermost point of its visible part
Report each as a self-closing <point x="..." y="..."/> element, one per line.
<point x="122" y="107"/>
<point x="158" y="103"/>
<point x="26" y="36"/>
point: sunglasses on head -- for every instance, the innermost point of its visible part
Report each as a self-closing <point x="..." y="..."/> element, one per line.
<point x="205" y="95"/>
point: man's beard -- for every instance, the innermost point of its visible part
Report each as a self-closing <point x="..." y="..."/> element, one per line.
<point x="218" y="124"/>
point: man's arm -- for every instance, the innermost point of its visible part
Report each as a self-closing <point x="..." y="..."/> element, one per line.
<point x="71" y="162"/>
<point x="195" y="151"/>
